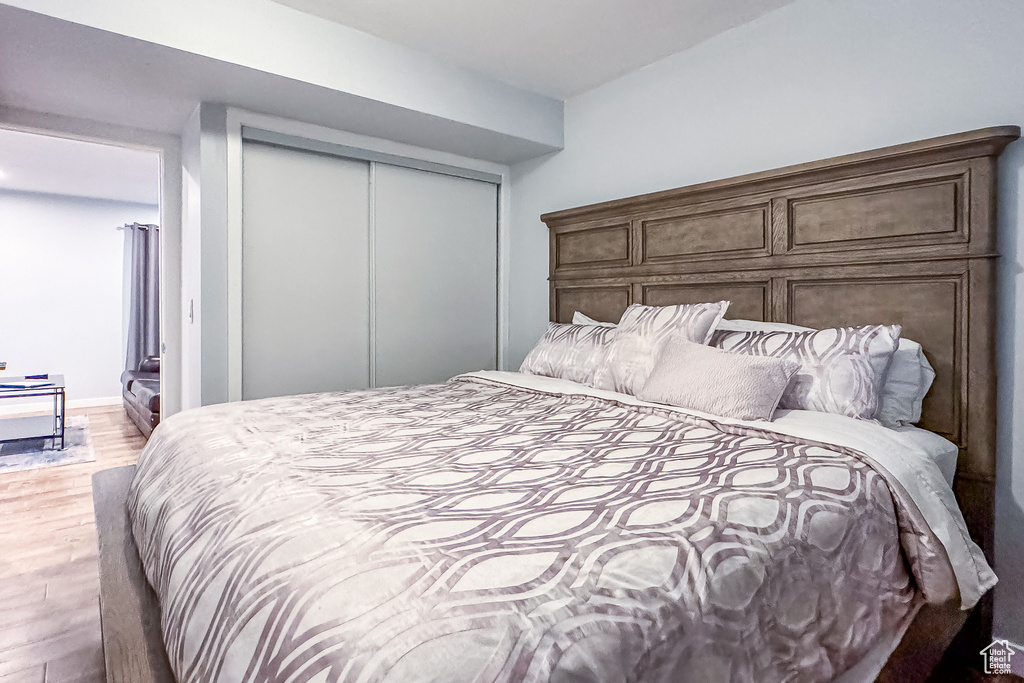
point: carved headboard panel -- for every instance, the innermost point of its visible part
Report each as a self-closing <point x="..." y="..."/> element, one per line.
<point x="904" y="234"/>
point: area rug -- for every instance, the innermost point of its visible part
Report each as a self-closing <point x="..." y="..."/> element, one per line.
<point x="32" y="454"/>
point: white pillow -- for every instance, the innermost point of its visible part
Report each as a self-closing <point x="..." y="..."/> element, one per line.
<point x="910" y="374"/>
<point x="580" y="319"/>
<point x="910" y="377"/>
<point x="759" y="326"/>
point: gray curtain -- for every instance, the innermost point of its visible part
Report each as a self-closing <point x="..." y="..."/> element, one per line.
<point x="144" y="311"/>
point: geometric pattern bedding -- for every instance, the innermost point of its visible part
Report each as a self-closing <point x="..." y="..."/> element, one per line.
<point x="474" y="531"/>
<point x="842" y="370"/>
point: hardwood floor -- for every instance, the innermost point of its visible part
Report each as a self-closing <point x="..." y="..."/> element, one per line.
<point x="49" y="580"/>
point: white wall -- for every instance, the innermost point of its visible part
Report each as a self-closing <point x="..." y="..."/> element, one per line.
<point x="204" y="249"/>
<point x="191" y="261"/>
<point x="62" y="285"/>
<point x="812" y="80"/>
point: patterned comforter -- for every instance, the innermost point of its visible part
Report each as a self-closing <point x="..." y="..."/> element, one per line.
<point x="475" y="531"/>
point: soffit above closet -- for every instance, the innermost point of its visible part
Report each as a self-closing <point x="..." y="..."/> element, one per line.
<point x="557" y="48"/>
<point x="146" y="65"/>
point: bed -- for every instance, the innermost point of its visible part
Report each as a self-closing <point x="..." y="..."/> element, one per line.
<point x="504" y="526"/>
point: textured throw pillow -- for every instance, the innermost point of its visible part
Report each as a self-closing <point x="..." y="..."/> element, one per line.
<point x="909" y="378"/>
<point x="640" y="335"/>
<point x="572" y="352"/>
<point x="580" y="319"/>
<point x="713" y="381"/>
<point x="842" y="370"/>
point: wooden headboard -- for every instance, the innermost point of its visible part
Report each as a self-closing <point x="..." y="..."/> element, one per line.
<point x="904" y="234"/>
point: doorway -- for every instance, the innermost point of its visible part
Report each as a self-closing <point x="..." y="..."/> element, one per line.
<point x="71" y="212"/>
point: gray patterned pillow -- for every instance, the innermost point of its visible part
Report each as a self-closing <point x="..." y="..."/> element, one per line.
<point x="573" y="352"/>
<point x="842" y="370"/>
<point x="643" y="331"/>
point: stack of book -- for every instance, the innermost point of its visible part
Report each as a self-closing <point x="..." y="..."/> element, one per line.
<point x="27" y="382"/>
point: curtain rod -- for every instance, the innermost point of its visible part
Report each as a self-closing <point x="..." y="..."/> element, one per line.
<point x="140" y="226"/>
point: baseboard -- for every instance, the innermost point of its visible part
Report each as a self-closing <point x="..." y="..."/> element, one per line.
<point x="46" y="406"/>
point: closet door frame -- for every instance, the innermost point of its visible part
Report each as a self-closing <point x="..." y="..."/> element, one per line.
<point x="260" y="127"/>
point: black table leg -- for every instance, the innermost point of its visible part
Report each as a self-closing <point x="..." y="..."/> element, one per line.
<point x="62" y="420"/>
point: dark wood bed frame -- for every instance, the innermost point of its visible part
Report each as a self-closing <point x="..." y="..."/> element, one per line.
<point x="904" y="234"/>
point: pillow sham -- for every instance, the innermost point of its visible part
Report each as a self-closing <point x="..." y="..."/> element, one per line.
<point x="714" y="381"/>
<point x="759" y="326"/>
<point x="573" y="352"/>
<point x="642" y="332"/>
<point x="909" y="379"/>
<point x="842" y="370"/>
<point x="907" y="383"/>
<point x="581" y="319"/>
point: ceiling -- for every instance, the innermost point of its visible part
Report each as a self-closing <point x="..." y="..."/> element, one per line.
<point x="39" y="163"/>
<point x="555" y="47"/>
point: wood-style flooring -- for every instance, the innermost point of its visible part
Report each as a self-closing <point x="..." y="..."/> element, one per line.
<point x="49" y="578"/>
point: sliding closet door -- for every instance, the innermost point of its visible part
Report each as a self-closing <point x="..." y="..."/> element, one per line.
<point x="436" y="254"/>
<point x="305" y="272"/>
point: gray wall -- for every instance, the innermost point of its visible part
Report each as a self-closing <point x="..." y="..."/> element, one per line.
<point x="812" y="80"/>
